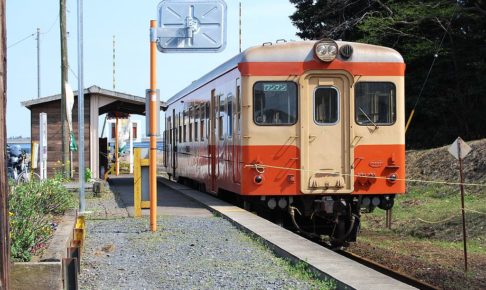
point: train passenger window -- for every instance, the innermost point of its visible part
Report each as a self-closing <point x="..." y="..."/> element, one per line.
<point x="180" y="127"/>
<point x="326" y="105"/>
<point x="191" y="118"/>
<point x="275" y="103"/>
<point x="221" y="112"/>
<point x="238" y="108"/>
<point x="229" y="116"/>
<point x="196" y="123"/>
<point x="208" y="112"/>
<point x="375" y="103"/>
<point x="184" y="128"/>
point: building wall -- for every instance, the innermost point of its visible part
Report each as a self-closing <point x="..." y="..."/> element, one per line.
<point x="54" y="132"/>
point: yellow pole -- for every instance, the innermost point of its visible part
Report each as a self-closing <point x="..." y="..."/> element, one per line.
<point x="409" y="120"/>
<point x="137" y="183"/>
<point x="117" y="164"/>
<point x="153" y="125"/>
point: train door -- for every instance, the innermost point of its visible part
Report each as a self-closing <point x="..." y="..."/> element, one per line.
<point x="174" y="140"/>
<point x="237" y="133"/>
<point x="213" y="143"/>
<point x="325" y="134"/>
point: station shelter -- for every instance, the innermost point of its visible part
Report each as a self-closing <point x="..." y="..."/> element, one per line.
<point x="97" y="101"/>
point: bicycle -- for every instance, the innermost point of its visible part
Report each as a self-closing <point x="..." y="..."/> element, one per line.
<point x="18" y="168"/>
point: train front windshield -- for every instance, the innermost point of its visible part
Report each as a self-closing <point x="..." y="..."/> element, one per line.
<point x="275" y="103"/>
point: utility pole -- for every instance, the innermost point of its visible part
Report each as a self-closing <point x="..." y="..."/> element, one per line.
<point x="81" y="173"/>
<point x="38" y="65"/>
<point x="4" y="230"/>
<point x="66" y="160"/>
<point x="240" y="28"/>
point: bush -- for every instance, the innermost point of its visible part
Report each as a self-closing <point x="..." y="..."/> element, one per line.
<point x="31" y="208"/>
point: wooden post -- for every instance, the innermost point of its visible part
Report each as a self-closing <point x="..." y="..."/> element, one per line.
<point x="464" y="235"/>
<point x="65" y="136"/>
<point x="4" y="228"/>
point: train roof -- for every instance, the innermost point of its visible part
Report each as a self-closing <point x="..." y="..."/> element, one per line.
<point x="294" y="51"/>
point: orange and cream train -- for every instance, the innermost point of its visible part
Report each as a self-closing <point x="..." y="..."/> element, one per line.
<point x="310" y="131"/>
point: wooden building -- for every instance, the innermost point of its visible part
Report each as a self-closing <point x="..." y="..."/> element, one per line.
<point x="97" y="101"/>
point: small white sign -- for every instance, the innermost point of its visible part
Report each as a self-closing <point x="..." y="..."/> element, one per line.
<point x="43" y="145"/>
<point x="459" y="145"/>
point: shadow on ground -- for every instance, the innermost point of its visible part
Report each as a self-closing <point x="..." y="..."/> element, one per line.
<point x="169" y="202"/>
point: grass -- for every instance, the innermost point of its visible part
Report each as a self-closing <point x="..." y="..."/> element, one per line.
<point x="300" y="270"/>
<point x="434" y="213"/>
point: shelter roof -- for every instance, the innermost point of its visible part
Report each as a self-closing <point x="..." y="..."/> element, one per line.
<point x="123" y="102"/>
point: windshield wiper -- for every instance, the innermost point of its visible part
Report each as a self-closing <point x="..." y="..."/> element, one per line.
<point x="367" y="117"/>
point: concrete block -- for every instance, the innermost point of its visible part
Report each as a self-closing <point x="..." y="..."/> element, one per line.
<point x="36" y="275"/>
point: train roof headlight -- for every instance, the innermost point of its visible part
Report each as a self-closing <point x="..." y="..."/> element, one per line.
<point x="326" y="50"/>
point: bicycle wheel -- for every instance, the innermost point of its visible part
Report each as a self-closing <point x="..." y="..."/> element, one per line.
<point x="27" y="177"/>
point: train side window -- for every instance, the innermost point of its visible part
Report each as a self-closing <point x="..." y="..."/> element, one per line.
<point x="191" y="119"/>
<point x="326" y="105"/>
<point x="238" y="109"/>
<point x="229" y="116"/>
<point x="275" y="103"/>
<point x="375" y="103"/>
<point x="221" y="110"/>
<point x="180" y="128"/>
<point x="196" y="124"/>
<point x="184" y="127"/>
<point x="168" y="131"/>
<point x="208" y="122"/>
<point x="201" y="121"/>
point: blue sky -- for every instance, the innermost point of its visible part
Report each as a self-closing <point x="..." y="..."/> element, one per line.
<point x="128" y="20"/>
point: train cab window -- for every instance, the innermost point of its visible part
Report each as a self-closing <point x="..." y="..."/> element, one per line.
<point x="326" y="105"/>
<point x="375" y="103"/>
<point x="275" y="103"/>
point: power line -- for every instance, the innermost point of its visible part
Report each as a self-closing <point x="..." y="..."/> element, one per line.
<point x="52" y="25"/>
<point x="22" y="40"/>
<point x="71" y="70"/>
<point x="33" y="34"/>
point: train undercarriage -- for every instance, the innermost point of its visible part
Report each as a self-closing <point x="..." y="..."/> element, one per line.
<point x="334" y="219"/>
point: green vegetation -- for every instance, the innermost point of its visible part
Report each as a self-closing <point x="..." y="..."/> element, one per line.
<point x="32" y="207"/>
<point x="433" y="213"/>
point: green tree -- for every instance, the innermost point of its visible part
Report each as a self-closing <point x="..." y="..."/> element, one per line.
<point x="454" y="97"/>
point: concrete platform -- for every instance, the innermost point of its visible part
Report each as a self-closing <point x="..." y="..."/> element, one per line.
<point x="348" y="274"/>
<point x="169" y="201"/>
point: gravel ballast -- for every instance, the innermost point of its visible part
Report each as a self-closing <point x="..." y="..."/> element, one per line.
<point x="187" y="252"/>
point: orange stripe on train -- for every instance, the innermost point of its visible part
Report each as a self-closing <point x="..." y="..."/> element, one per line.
<point x="298" y="68"/>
